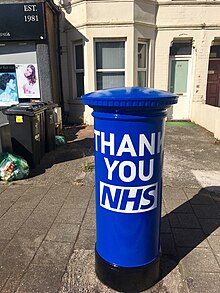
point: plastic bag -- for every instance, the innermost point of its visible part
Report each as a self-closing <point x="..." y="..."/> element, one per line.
<point x="13" y="167"/>
<point x="60" y="140"/>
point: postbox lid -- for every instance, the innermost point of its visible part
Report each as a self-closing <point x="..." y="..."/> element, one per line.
<point x="130" y="97"/>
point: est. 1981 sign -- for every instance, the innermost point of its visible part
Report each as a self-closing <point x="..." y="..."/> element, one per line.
<point x="22" y="22"/>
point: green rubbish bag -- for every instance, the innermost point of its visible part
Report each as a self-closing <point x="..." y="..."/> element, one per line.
<point x="13" y="167"/>
<point x="60" y="140"/>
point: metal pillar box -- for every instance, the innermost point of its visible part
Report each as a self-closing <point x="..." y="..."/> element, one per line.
<point x="129" y="145"/>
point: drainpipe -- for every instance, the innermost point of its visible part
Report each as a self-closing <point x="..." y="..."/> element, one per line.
<point x="58" y="12"/>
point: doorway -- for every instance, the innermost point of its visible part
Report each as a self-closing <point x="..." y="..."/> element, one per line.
<point x="180" y="84"/>
<point x="213" y="83"/>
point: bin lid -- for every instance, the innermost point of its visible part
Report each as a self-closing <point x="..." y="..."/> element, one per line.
<point x="27" y="109"/>
<point x="130" y="97"/>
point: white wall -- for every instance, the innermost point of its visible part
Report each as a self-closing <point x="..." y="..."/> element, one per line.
<point x="186" y="20"/>
<point x="159" y="22"/>
<point x="207" y="116"/>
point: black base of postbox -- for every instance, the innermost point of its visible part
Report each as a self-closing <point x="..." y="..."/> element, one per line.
<point x="124" y="279"/>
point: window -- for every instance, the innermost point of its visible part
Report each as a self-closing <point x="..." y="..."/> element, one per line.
<point x="180" y="64"/>
<point x="142" y="64"/>
<point x="79" y="69"/>
<point x="110" y="64"/>
<point x="215" y="51"/>
<point x="181" y="48"/>
<point x="179" y="76"/>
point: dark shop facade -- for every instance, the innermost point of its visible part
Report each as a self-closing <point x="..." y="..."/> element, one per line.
<point x="29" y="52"/>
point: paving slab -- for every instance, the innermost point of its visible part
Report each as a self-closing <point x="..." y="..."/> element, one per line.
<point x="53" y="254"/>
<point x="39" y="279"/>
<point x="60" y="232"/>
<point x="203" y="282"/>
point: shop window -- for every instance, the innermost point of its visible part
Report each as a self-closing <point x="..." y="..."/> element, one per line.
<point x="142" y="64"/>
<point x="110" y="64"/>
<point x="79" y="69"/>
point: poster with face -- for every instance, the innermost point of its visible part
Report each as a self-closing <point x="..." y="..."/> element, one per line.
<point x="28" y="81"/>
<point x="8" y="85"/>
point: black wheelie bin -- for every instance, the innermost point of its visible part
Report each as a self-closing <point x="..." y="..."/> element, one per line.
<point x="50" y="128"/>
<point x="27" y="124"/>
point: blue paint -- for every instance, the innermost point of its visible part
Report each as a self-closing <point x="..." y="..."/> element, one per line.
<point x="129" y="135"/>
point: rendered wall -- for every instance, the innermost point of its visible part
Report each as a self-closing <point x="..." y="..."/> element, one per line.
<point x="175" y="21"/>
<point x="89" y="21"/>
<point x="207" y="116"/>
<point x="159" y="22"/>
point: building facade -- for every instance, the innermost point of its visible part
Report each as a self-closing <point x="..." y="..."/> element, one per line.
<point x="29" y="51"/>
<point x="167" y="45"/>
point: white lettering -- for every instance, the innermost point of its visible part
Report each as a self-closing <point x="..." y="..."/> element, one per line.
<point x="96" y="133"/>
<point x="160" y="142"/>
<point x="143" y="142"/>
<point x="128" y="200"/>
<point x="28" y="8"/>
<point x="126" y="146"/>
<point x="110" y="143"/>
<point x="141" y="170"/>
<point x="110" y="168"/>
<point x="131" y="176"/>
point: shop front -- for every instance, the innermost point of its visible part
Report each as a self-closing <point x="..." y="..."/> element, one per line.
<point x="29" y="52"/>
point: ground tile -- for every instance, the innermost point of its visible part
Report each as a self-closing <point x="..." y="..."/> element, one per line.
<point x="188" y="237"/>
<point x="70" y="216"/>
<point x="210" y="226"/>
<point x="75" y="202"/>
<point x="15" y="258"/>
<point x="15" y="215"/>
<point x="165" y="225"/>
<point x="174" y="194"/>
<point x="63" y="232"/>
<point x="199" y="282"/>
<point x="31" y="198"/>
<point x="80" y="191"/>
<point x="178" y="206"/>
<point x="86" y="239"/>
<point x="92" y="206"/>
<point x="3" y="244"/>
<point x="183" y="221"/>
<point x="53" y="254"/>
<point x="13" y="282"/>
<point x="42" y="218"/>
<point x="28" y="238"/>
<point x="202" y="196"/>
<point x="89" y="222"/>
<point x="199" y="260"/>
<point x="214" y="242"/>
<point x="206" y="211"/>
<point x="167" y="244"/>
<point x="40" y="279"/>
<point x="4" y="276"/>
<point x="6" y="234"/>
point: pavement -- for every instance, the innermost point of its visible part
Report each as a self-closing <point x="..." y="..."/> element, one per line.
<point x="47" y="222"/>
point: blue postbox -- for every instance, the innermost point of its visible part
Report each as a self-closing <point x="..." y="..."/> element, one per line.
<point x="129" y="146"/>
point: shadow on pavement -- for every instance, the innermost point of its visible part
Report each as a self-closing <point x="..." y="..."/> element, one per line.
<point x="187" y="226"/>
<point x="76" y="147"/>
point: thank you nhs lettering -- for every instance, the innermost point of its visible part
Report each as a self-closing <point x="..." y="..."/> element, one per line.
<point x="129" y="163"/>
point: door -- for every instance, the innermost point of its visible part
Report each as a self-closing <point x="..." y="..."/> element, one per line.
<point x="180" y="77"/>
<point x="213" y="83"/>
